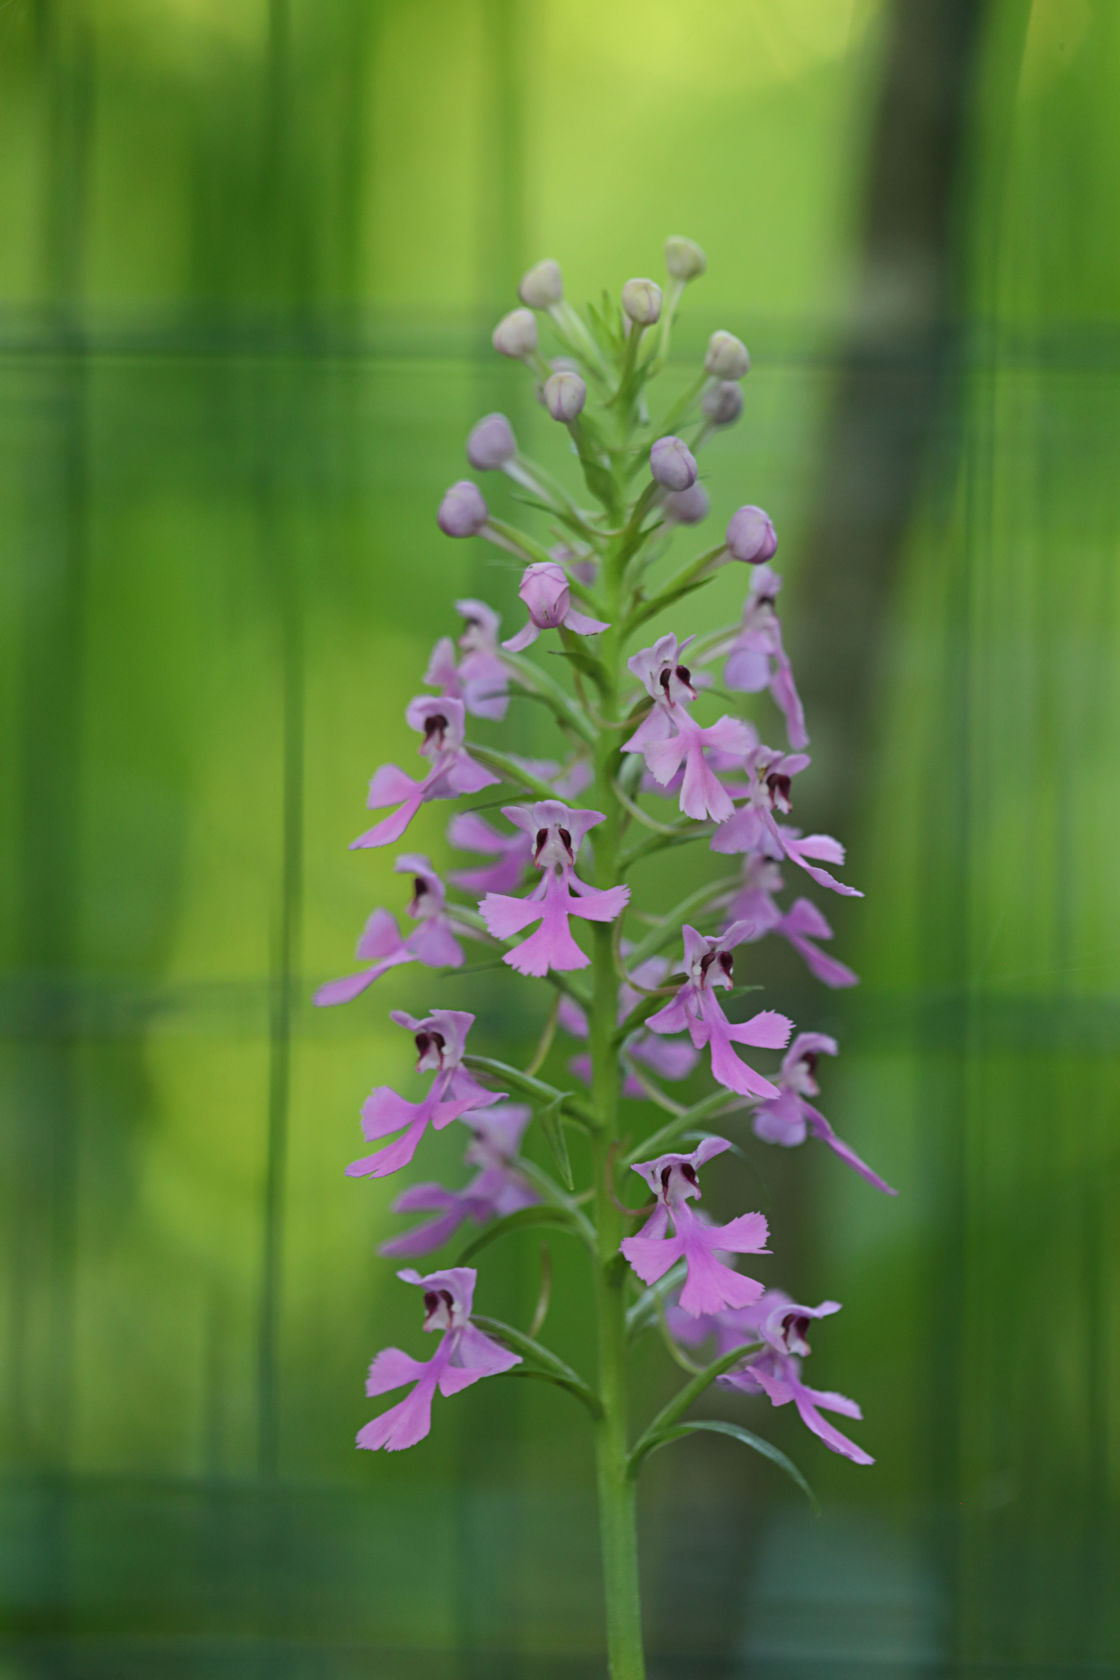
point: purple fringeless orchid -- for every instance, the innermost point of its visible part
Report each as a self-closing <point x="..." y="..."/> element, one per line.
<point x="801" y="924"/>
<point x="776" y="1372"/>
<point x="441" y="1041"/>
<point x="432" y="941"/>
<point x="464" y="1355"/>
<point x="709" y="1285"/>
<point x="668" y="1060"/>
<point x="756" y="658"/>
<point x="670" y="740"/>
<point x="556" y="833"/>
<point x="696" y="1010"/>
<point x="452" y="771"/>
<point x="789" y="1118"/>
<point x="496" y="1189"/>
<point x="547" y="595"/>
<point x="480" y="678"/>
<point x="753" y="827"/>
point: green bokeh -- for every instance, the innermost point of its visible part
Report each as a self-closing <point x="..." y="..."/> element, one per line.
<point x="251" y="255"/>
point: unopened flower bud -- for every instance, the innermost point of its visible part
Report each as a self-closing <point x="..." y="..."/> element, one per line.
<point x="687" y="507"/>
<point x="515" y="334"/>
<point x="491" y="443"/>
<point x="727" y="356"/>
<point x="672" y="464"/>
<point x="723" y="403"/>
<point x="542" y="285"/>
<point x="751" y="536"/>
<point x="683" y="258"/>
<point x="564" y="395"/>
<point x="463" y="511"/>
<point x="641" y="299"/>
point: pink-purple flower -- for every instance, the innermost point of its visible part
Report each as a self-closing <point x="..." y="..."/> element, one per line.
<point x="479" y="679"/>
<point x="789" y="1118"/>
<point x="431" y="942"/>
<point x="555" y="833"/>
<point x="667" y="1060"/>
<point x="670" y="740"/>
<point x="801" y="924"/>
<point x="452" y="770"/>
<point x="497" y="1188"/>
<point x="441" y="1040"/>
<point x="547" y="595"/>
<point x="709" y="1285"/>
<point x="754" y="827"/>
<point x="696" y="1010"/>
<point x="756" y="658"/>
<point x="776" y="1372"/>
<point x="464" y="1355"/>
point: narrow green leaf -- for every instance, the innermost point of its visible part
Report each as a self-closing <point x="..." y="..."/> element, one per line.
<point x="715" y="1426"/>
<point x="543" y="1358"/>
<point x="540" y="1214"/>
<point x="674" y="1409"/>
<point x="668" y="1134"/>
<point x="512" y="771"/>
<point x="535" y="1089"/>
<point x="552" y="1125"/>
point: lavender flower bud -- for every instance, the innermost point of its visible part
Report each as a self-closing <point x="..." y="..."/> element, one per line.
<point x="463" y="511"/>
<point x="564" y="395"/>
<point x="542" y="286"/>
<point x="687" y="507"/>
<point x="683" y="258"/>
<point x="727" y="356"/>
<point x="751" y="536"/>
<point x="672" y="464"/>
<point x="723" y="403"/>
<point x="641" y="300"/>
<point x="491" y="443"/>
<point x="515" y="334"/>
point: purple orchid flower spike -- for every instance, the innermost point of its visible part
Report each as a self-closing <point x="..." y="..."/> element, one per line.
<point x="463" y="1357"/>
<point x="556" y="833"/>
<point x="776" y="1372"/>
<point x="453" y="771"/>
<point x="696" y="1010"/>
<point x="709" y="1285"/>
<point x="667" y="1060"/>
<point x="497" y="1188"/>
<point x="545" y="591"/>
<point x="789" y="1118"/>
<point x="669" y="739"/>
<point x="753" y="828"/>
<point x="441" y="1039"/>
<point x="431" y="942"/>
<point x="756" y="658"/>
<point x="479" y="679"/>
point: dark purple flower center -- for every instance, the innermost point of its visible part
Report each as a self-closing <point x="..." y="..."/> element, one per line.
<point x="435" y="727"/>
<point x="725" y="960"/>
<point x="779" y="787"/>
<point x="434" y="1299"/>
<point x="795" y="1332"/>
<point x="430" y="1040"/>
<point x="810" y="1060"/>
<point x="419" y="886"/>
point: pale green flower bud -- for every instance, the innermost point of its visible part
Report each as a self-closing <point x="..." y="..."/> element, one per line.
<point x="727" y="356"/>
<point x="542" y="286"/>
<point x="516" y="334"/>
<point x="684" y="259"/>
<point x="641" y="299"/>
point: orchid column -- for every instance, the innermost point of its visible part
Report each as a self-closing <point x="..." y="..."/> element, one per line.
<point x="553" y="903"/>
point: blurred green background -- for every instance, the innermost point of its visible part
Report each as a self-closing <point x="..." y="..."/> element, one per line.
<point x="251" y="254"/>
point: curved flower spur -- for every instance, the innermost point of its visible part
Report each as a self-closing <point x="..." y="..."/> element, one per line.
<point x="630" y="712"/>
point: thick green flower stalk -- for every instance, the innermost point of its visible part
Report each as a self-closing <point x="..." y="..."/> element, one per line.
<point x="639" y="988"/>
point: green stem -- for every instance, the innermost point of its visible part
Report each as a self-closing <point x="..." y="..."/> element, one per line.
<point x="617" y="1493"/>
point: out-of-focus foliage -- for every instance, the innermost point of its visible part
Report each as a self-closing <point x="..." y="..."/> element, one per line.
<point x="251" y="255"/>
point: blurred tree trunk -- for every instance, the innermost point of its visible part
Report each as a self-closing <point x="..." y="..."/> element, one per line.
<point x="902" y="342"/>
